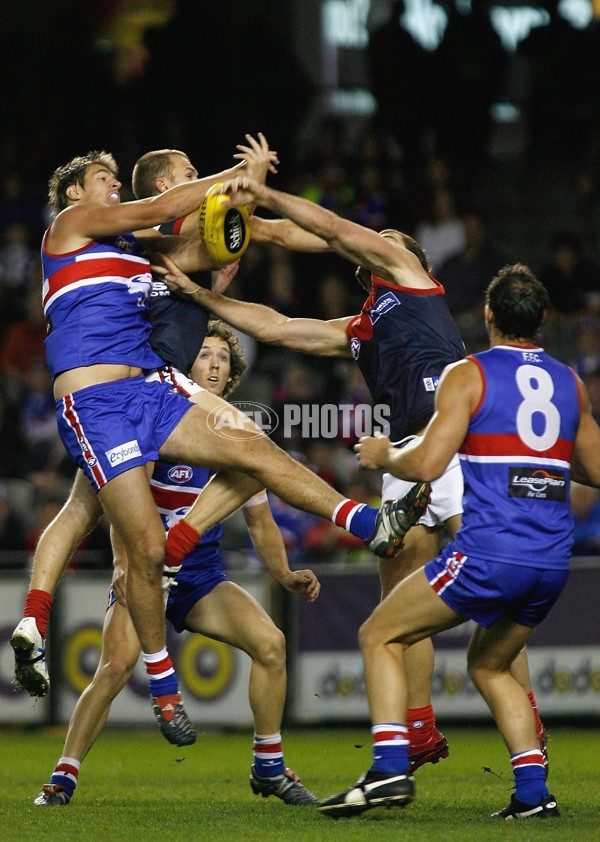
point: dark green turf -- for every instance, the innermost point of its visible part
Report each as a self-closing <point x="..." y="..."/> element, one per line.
<point x="134" y="786"/>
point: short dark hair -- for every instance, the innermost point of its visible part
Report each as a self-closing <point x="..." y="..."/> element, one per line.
<point x="518" y="301"/>
<point x="218" y="328"/>
<point x="149" y="168"/>
<point x="74" y="173"/>
<point x="410" y="244"/>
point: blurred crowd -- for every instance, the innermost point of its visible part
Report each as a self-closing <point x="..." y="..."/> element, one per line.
<point x="400" y="168"/>
<point x="368" y="187"/>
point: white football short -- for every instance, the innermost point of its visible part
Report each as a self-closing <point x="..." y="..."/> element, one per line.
<point x="446" y="491"/>
<point x="180" y="382"/>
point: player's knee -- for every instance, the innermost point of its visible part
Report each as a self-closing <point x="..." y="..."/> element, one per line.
<point x="481" y="670"/>
<point x="367" y="636"/>
<point x="147" y="558"/>
<point x="270" y="651"/>
<point x="115" y="673"/>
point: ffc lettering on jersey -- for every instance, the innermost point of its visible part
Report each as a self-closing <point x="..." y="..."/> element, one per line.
<point x="124" y="452"/>
<point x="386" y="303"/>
<point x="531" y="357"/>
<point x="537" y="484"/>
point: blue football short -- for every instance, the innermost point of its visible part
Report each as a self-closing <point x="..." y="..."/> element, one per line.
<point x="485" y="591"/>
<point x="112" y="427"/>
<point x="190" y="587"/>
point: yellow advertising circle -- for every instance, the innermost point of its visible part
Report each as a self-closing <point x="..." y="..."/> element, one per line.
<point x="205" y="686"/>
<point x="86" y="638"/>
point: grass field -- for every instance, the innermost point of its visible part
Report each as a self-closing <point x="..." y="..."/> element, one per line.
<point x="134" y="786"/>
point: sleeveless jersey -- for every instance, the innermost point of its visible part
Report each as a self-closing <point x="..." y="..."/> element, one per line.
<point x="178" y="326"/>
<point x="175" y="489"/>
<point x="95" y="305"/>
<point x="402" y="340"/>
<point x="516" y="460"/>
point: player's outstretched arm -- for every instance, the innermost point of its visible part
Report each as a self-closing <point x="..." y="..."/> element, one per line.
<point x="388" y="260"/>
<point x="310" y="336"/>
<point x="288" y="235"/>
<point x="270" y="549"/>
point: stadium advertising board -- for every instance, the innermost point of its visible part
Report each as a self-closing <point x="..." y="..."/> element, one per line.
<point x="564" y="654"/>
<point x="213" y="676"/>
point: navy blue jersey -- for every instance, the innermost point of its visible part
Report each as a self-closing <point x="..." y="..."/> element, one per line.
<point x="402" y="340"/>
<point x="516" y="460"/>
<point x="178" y="326"/>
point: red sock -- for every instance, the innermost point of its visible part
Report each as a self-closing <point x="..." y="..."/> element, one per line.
<point x="181" y="540"/>
<point x="421" y="722"/>
<point x="538" y="721"/>
<point x="38" y="605"/>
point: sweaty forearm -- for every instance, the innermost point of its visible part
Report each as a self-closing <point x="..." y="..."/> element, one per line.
<point x="308" y="215"/>
<point x="288" y="235"/>
<point x="255" y="320"/>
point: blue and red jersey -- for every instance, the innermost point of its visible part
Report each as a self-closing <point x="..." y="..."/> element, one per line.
<point x="402" y="340"/>
<point x="95" y="305"/>
<point x="516" y="460"/>
<point x="175" y="489"/>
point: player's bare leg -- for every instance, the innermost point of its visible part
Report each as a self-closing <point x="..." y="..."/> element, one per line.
<point x="491" y="654"/>
<point x="130" y="506"/>
<point x="231" y="614"/>
<point x="427" y="743"/>
<point x="200" y="439"/>
<point x="56" y="545"/>
<point x="120" y="651"/>
<point x="409" y="613"/>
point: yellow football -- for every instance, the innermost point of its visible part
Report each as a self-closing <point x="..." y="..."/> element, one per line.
<point x="224" y="228"/>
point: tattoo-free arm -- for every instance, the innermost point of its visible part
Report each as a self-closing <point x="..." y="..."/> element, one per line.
<point x="457" y="396"/>
<point x="270" y="549"/>
<point x="310" y="336"/>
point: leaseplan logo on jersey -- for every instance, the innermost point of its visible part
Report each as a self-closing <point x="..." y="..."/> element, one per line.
<point x="124" y="452"/>
<point x="538" y="484"/>
<point x="384" y="305"/>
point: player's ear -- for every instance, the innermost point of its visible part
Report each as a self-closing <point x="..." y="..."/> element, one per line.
<point x="72" y="192"/>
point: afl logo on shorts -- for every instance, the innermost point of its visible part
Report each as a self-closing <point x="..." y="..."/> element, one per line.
<point x="355" y="347"/>
<point x="180" y="473"/>
<point x="92" y="461"/>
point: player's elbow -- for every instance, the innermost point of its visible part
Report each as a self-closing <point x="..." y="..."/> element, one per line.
<point x="424" y="469"/>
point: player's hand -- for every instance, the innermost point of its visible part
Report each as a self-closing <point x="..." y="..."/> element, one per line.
<point x="119" y="582"/>
<point x="174" y="278"/>
<point x="257" y="158"/>
<point x="302" y="582"/>
<point x="373" y="451"/>
<point x="221" y="278"/>
<point x="242" y="190"/>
